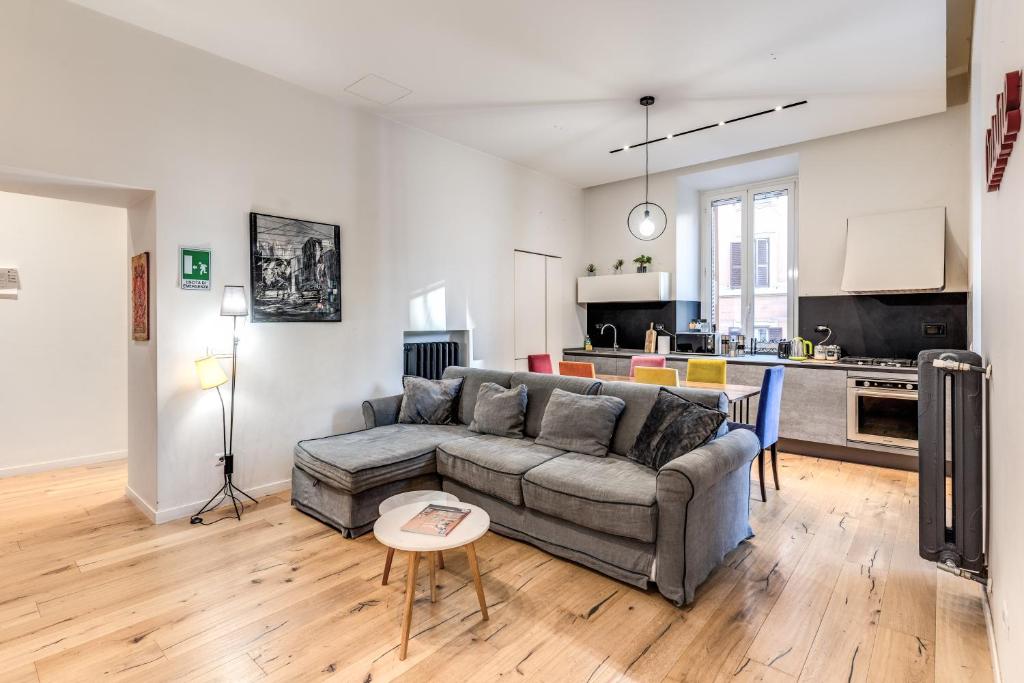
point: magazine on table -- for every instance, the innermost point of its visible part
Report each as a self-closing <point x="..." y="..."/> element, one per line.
<point x="436" y="520"/>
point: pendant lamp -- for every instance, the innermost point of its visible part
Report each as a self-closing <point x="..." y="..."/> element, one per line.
<point x="646" y="221"/>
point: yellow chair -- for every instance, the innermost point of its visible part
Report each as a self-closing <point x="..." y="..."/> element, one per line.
<point x="709" y="370"/>
<point x="668" y="377"/>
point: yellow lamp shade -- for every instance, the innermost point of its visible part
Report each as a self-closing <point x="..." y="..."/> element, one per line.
<point x="211" y="374"/>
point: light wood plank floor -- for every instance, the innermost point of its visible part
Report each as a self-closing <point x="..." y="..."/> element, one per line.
<point x="831" y="589"/>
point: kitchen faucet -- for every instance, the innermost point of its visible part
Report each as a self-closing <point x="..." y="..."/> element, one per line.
<point x="601" y="327"/>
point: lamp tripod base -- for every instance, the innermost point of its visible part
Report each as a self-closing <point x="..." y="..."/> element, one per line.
<point x="226" y="492"/>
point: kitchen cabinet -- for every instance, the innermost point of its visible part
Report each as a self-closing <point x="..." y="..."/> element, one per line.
<point x="624" y="287"/>
<point x="814" y="405"/>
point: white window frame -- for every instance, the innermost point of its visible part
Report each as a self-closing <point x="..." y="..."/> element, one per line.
<point x="746" y="195"/>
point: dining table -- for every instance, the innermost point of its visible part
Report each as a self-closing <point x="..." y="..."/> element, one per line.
<point x="738" y="395"/>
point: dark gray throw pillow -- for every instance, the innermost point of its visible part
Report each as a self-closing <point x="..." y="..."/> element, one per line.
<point x="500" y="411"/>
<point x="429" y="401"/>
<point x="674" y="427"/>
<point x="578" y="423"/>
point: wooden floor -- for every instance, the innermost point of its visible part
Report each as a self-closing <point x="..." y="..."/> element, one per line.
<point x="830" y="589"/>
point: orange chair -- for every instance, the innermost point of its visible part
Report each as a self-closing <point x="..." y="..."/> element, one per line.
<point x="575" y="369"/>
<point x="709" y="370"/>
<point x="666" y="377"/>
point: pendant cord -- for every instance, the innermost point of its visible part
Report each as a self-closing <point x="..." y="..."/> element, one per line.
<point x="647" y="136"/>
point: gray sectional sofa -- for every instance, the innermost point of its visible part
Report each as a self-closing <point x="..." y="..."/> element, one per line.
<point x="672" y="526"/>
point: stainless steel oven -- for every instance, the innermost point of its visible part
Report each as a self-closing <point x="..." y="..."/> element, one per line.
<point x="882" y="410"/>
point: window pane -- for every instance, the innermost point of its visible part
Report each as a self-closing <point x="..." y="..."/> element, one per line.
<point x="727" y="263"/>
<point x="771" y="250"/>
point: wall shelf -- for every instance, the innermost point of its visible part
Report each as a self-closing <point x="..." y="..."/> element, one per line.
<point x="624" y="287"/>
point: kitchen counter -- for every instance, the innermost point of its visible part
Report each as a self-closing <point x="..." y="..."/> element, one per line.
<point x="760" y="359"/>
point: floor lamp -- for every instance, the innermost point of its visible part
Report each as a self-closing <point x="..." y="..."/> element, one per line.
<point x="211" y="376"/>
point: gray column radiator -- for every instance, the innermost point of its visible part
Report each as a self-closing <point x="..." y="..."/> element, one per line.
<point x="950" y="439"/>
<point x="429" y="359"/>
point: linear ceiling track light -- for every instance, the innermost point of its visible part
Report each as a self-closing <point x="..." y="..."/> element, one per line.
<point x="710" y="125"/>
<point x="646" y="221"/>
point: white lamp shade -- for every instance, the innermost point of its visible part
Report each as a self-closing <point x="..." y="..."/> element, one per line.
<point x="211" y="374"/>
<point x="234" y="302"/>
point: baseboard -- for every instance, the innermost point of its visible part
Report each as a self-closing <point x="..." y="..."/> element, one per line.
<point x="32" y="468"/>
<point x="990" y="627"/>
<point x="144" y="507"/>
<point x="186" y="510"/>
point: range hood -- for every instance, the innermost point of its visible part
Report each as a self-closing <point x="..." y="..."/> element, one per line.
<point x="896" y="252"/>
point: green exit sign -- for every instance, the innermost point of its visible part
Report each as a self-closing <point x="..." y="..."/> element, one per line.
<point x="194" y="268"/>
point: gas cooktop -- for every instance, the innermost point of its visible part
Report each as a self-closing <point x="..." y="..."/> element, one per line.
<point x="880" y="362"/>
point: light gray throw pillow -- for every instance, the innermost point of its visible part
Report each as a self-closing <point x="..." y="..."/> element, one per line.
<point x="500" y="411"/>
<point x="578" y="423"/>
<point x="429" y="401"/>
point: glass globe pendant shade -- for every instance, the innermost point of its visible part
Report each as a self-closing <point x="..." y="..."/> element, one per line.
<point x="647" y="221"/>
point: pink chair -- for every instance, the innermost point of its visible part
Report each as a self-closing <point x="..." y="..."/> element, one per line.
<point x="540" y="362"/>
<point x="646" y="362"/>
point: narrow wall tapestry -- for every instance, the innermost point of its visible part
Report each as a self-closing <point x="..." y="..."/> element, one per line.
<point x="295" y="270"/>
<point x="140" y="296"/>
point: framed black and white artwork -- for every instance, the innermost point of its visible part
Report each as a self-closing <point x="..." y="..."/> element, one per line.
<point x="295" y="270"/>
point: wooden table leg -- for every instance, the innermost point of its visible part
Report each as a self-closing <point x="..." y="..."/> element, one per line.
<point x="432" y="561"/>
<point x="440" y="560"/>
<point x="471" y="551"/>
<point x="410" y="595"/>
<point x="387" y="566"/>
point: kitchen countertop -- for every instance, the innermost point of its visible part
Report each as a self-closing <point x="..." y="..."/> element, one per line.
<point x="760" y="359"/>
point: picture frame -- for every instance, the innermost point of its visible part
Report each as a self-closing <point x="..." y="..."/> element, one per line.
<point x="295" y="269"/>
<point x="140" y="296"/>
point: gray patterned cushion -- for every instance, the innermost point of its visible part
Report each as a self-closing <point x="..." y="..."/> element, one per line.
<point x="578" y="423"/>
<point x="674" y="427"/>
<point x="500" y="411"/>
<point x="429" y="401"/>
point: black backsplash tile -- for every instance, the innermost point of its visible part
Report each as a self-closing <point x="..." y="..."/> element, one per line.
<point x="887" y="325"/>
<point x="633" y="320"/>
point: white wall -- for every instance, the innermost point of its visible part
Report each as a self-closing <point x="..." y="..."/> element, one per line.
<point x="89" y="97"/>
<point x="906" y="165"/>
<point x="63" y="353"/>
<point x="998" y="240"/>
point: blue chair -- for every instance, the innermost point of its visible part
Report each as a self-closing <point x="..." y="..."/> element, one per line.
<point x="767" y="427"/>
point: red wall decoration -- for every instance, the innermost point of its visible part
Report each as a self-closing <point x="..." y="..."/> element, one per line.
<point x="1000" y="137"/>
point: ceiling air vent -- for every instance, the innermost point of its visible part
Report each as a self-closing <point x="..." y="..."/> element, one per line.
<point x="377" y="90"/>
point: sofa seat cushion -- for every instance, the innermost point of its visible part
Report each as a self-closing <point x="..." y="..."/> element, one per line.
<point x="494" y="465"/>
<point x="610" y="494"/>
<point x="362" y="460"/>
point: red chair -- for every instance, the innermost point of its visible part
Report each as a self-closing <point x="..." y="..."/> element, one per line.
<point x="569" y="368"/>
<point x="540" y="362"/>
<point x="645" y="362"/>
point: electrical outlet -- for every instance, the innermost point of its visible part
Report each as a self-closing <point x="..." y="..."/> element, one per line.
<point x="220" y="460"/>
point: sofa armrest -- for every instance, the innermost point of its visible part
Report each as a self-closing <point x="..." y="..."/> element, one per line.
<point x="703" y="511"/>
<point x="378" y="412"/>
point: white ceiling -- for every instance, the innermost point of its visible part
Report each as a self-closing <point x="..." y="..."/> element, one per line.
<point x="553" y="84"/>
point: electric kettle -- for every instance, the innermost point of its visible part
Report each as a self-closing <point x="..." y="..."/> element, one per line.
<point x="800" y="349"/>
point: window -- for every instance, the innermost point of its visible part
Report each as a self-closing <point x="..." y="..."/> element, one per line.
<point x="761" y="275"/>
<point x="735" y="266"/>
<point x="748" y="248"/>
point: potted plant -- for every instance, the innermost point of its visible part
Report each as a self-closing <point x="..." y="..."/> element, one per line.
<point x="642" y="262"/>
<point x="617" y="266"/>
<point x="591" y="269"/>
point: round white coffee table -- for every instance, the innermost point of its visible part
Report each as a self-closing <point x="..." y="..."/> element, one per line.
<point x="400" y="499"/>
<point x="388" y="531"/>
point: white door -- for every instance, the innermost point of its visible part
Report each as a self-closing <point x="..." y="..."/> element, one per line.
<point x="530" y="307"/>
<point x="553" y="315"/>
